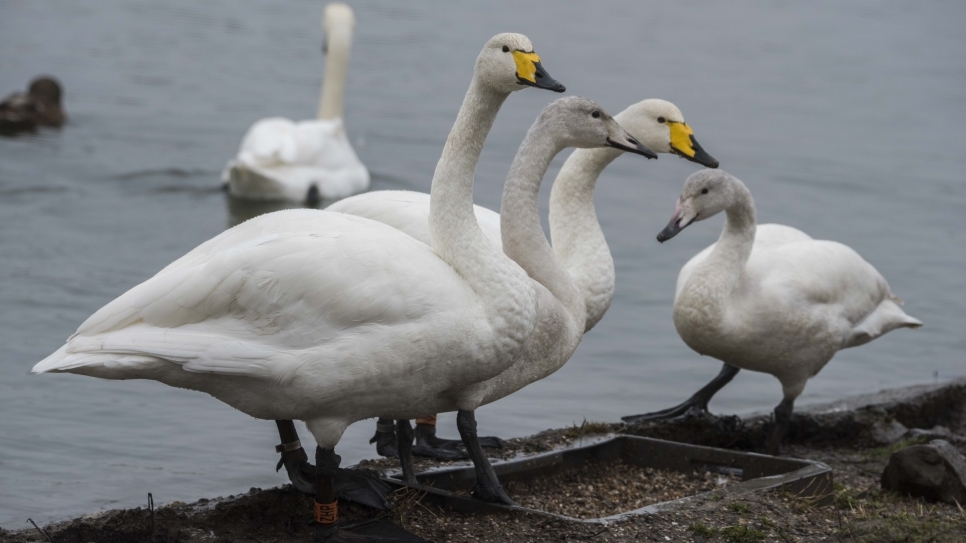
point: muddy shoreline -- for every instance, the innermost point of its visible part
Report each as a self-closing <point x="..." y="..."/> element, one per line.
<point x="854" y="437"/>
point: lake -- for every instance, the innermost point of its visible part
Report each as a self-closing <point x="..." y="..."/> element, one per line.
<point x="846" y="120"/>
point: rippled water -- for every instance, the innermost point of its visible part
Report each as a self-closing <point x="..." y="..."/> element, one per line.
<point x="845" y="119"/>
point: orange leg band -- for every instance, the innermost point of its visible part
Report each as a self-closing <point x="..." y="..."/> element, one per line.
<point x="430" y="420"/>
<point x="327" y="513"/>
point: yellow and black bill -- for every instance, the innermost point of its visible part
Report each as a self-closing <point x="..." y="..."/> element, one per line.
<point x="683" y="144"/>
<point x="531" y="73"/>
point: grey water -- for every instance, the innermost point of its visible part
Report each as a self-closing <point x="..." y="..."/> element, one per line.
<point x="846" y="120"/>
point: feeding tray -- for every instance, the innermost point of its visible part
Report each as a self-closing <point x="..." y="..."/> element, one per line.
<point x="448" y="487"/>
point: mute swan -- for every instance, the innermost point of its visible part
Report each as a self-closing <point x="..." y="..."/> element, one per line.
<point x="772" y="299"/>
<point x="329" y="318"/>
<point x="309" y="160"/>
<point x="578" y="241"/>
<point x="40" y="106"/>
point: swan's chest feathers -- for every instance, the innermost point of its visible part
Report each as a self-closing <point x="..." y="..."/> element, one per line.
<point x="553" y="341"/>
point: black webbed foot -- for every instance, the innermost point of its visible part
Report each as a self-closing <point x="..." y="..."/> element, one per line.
<point x="350" y="485"/>
<point x="430" y="446"/>
<point x="696" y="404"/>
<point x="385" y="438"/>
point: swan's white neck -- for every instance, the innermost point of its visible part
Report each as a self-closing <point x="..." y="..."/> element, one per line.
<point x="523" y="238"/>
<point x="710" y="286"/>
<point x="452" y="224"/>
<point x="578" y="240"/>
<point x="505" y="291"/>
<point x="331" y="103"/>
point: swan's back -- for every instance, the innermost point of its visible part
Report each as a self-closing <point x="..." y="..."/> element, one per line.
<point x="408" y="212"/>
<point x="275" y="292"/>
<point x="288" y="158"/>
<point x="798" y="301"/>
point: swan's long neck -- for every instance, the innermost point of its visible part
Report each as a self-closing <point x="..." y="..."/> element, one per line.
<point x="578" y="240"/>
<point x="456" y="235"/>
<point x="710" y="286"/>
<point x="523" y="238"/>
<point x="506" y="293"/>
<point x="331" y="103"/>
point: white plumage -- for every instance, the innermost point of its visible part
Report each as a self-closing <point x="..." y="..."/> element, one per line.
<point x="335" y="317"/>
<point x="283" y="160"/>
<point x="769" y="298"/>
<point x="578" y="240"/>
<point x="330" y="318"/>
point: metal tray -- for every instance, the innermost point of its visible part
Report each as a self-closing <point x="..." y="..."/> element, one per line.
<point x="758" y="472"/>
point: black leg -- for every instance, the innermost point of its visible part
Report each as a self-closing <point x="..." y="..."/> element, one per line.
<point x="326" y="506"/>
<point x="696" y="403"/>
<point x="385" y="438"/>
<point x="328" y="527"/>
<point x="487" y="487"/>
<point x="313" y="197"/>
<point x="350" y="485"/>
<point x="296" y="462"/>
<point x="431" y="446"/>
<point x="404" y="445"/>
<point x="783" y="418"/>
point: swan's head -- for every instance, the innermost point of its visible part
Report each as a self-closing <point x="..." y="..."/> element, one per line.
<point x="660" y="125"/>
<point x="507" y="63"/>
<point x="337" y="20"/>
<point x="580" y="122"/>
<point x="706" y="193"/>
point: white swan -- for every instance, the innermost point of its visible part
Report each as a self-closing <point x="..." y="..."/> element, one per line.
<point x="329" y="318"/>
<point x="308" y="160"/>
<point x="578" y="240"/>
<point x="770" y="298"/>
<point x="567" y="122"/>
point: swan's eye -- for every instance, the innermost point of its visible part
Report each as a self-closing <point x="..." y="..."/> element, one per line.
<point x="704" y="191"/>
<point x="661" y="119"/>
<point x="595" y="114"/>
<point x="506" y="49"/>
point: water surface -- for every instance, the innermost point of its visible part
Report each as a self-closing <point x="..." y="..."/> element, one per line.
<point x="844" y="119"/>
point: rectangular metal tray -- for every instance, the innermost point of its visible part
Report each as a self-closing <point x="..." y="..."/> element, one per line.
<point x="758" y="472"/>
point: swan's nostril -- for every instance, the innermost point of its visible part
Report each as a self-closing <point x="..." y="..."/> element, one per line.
<point x="539" y="75"/>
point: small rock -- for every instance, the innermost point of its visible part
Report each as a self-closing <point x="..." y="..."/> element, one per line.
<point x="884" y="433"/>
<point x="935" y="471"/>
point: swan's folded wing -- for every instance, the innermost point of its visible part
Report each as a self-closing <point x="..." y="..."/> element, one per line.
<point x="408" y="212"/>
<point x="251" y="308"/>
<point x="269" y="142"/>
<point x="819" y="273"/>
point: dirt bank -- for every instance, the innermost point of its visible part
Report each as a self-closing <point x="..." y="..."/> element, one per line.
<point x="855" y="437"/>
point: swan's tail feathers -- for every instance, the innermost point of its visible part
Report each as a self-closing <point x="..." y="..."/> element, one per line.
<point x="887" y="317"/>
<point x="103" y="365"/>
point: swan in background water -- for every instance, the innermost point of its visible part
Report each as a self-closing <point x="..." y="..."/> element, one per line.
<point x="309" y="160"/>
<point x="578" y="240"/>
<point x="40" y="106"/>
<point x="329" y="318"/>
<point x="770" y="298"/>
